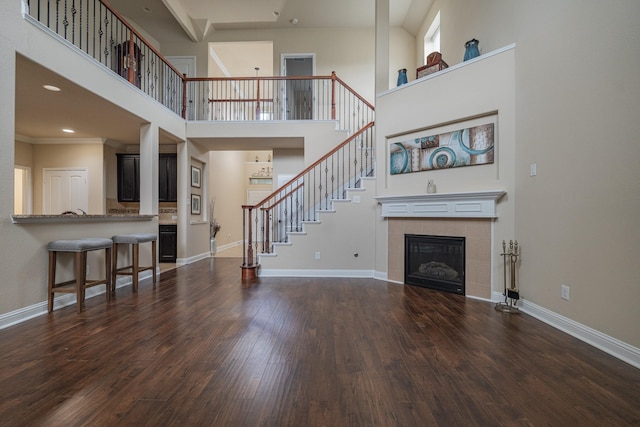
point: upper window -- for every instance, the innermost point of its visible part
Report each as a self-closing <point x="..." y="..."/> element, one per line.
<point x="432" y="37"/>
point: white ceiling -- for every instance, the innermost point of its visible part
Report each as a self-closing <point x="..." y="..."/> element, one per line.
<point x="42" y="114"/>
<point x="168" y="20"/>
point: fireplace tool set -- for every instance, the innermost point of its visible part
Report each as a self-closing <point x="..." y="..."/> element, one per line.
<point x="511" y="293"/>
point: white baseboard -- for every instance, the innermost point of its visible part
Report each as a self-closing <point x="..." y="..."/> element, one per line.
<point x="315" y="273"/>
<point x="189" y="260"/>
<point x="613" y="346"/>
<point x="39" y="309"/>
<point x="228" y="246"/>
<point x="380" y="275"/>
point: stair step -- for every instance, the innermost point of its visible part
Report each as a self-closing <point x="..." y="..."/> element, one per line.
<point x="282" y="244"/>
<point x="270" y="255"/>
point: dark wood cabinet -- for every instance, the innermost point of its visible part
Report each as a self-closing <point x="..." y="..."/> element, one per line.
<point x="129" y="178"/>
<point x="167" y="178"/>
<point x="168" y="243"/>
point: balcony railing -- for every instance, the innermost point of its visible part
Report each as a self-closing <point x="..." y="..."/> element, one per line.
<point x="95" y="28"/>
<point x="277" y="98"/>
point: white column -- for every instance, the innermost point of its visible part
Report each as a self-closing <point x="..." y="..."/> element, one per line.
<point x="382" y="46"/>
<point x="149" y="136"/>
<point x="184" y="197"/>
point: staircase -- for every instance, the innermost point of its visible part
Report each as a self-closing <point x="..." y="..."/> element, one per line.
<point x="338" y="243"/>
<point x="325" y="209"/>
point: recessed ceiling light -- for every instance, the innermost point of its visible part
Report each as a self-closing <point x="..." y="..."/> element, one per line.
<point x="68" y="130"/>
<point x="276" y="13"/>
<point x="147" y="9"/>
<point x="294" y="21"/>
<point x="52" y="88"/>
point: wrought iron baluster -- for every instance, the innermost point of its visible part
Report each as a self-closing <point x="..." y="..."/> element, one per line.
<point x="73" y="21"/>
<point x="65" y="20"/>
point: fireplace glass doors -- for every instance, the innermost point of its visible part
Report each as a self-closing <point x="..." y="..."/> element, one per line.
<point x="435" y="262"/>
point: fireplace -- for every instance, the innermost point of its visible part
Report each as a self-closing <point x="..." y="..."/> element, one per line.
<point x="435" y="262"/>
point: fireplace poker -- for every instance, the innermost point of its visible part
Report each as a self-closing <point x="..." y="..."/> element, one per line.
<point x="511" y="293"/>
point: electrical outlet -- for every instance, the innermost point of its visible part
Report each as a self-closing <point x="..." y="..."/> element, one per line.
<point x="318" y="255"/>
<point x="533" y="169"/>
<point x="564" y="292"/>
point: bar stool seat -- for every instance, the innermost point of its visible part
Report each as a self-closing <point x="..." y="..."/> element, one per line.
<point x="80" y="283"/>
<point x="134" y="269"/>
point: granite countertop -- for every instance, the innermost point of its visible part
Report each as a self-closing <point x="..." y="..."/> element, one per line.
<point x="33" y="219"/>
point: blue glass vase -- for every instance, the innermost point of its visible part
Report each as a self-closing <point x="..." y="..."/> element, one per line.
<point x="471" y="49"/>
<point x="402" y="77"/>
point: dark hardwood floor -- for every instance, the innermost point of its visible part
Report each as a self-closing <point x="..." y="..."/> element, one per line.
<point x="199" y="349"/>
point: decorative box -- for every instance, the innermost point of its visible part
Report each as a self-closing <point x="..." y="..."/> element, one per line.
<point x="434" y="63"/>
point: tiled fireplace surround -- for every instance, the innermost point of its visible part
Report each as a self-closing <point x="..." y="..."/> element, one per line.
<point x="468" y="215"/>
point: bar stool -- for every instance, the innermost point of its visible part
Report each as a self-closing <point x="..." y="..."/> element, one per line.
<point x="80" y="283"/>
<point x="134" y="269"/>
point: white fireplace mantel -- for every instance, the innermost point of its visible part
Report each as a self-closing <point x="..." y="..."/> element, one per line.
<point x="478" y="204"/>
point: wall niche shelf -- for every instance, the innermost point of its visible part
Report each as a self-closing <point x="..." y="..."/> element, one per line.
<point x="260" y="181"/>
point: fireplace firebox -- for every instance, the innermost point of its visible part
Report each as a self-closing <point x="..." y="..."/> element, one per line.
<point x="435" y="262"/>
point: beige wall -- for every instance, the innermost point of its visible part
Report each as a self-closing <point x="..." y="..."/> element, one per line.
<point x="228" y="183"/>
<point x="472" y="93"/>
<point x="402" y="45"/>
<point x="287" y="162"/>
<point x="348" y="52"/>
<point x="24" y="154"/>
<point x="576" y="220"/>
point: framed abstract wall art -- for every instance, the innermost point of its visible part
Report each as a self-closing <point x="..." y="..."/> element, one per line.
<point x="195" y="177"/>
<point x="463" y="144"/>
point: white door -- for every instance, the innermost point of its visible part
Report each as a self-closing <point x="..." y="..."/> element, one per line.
<point x="298" y="94"/>
<point x="65" y="190"/>
<point x="187" y="66"/>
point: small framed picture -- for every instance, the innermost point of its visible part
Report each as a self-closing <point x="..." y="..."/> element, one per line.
<point x="195" y="177"/>
<point x="195" y="204"/>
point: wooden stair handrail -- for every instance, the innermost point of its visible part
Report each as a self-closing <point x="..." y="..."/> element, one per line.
<point x="216" y="79"/>
<point x="310" y="167"/>
<point x="283" y="198"/>
<point x="356" y="94"/>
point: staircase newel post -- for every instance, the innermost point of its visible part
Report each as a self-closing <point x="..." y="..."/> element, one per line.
<point x="250" y="239"/>
<point x="333" y="95"/>
<point x="249" y="269"/>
